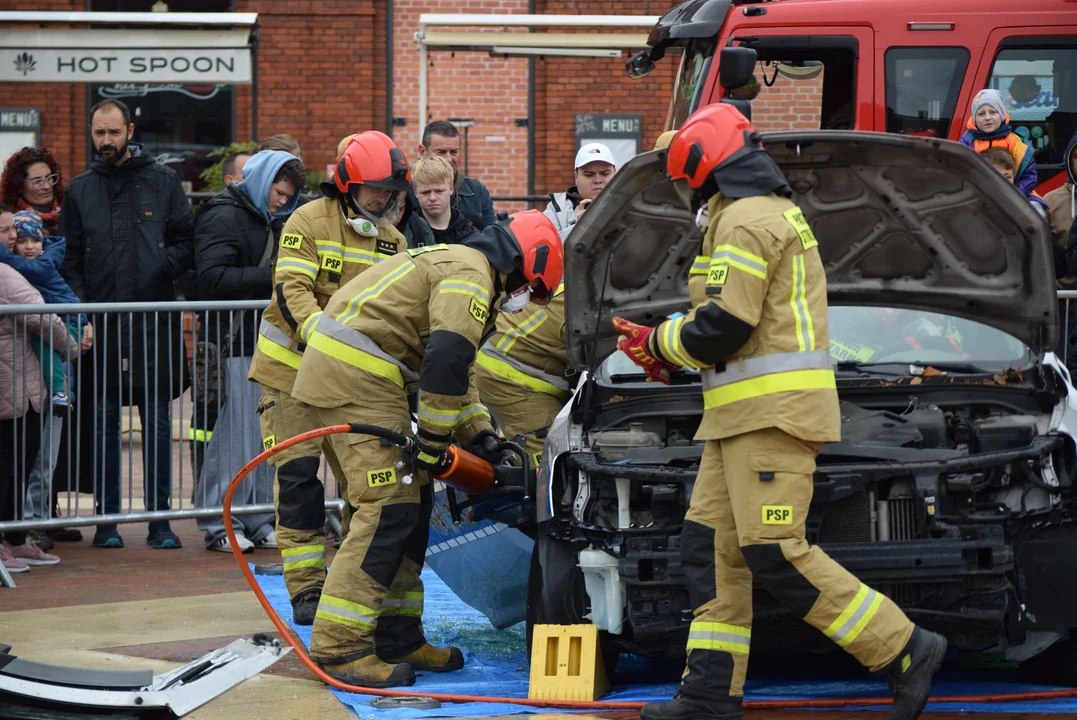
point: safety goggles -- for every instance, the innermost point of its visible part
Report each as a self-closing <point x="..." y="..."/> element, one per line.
<point x="43" y="182"/>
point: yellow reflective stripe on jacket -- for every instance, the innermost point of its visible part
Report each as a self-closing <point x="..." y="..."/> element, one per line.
<point x="669" y="343"/>
<point x="303" y="556"/>
<point x="798" y="300"/>
<point x="357" y="358"/>
<point x="501" y="367"/>
<point x="344" y="612"/>
<point x="308" y="325"/>
<point x="299" y="265"/>
<point x="463" y="287"/>
<point x="471" y="411"/>
<point x="197" y="435"/>
<point x="436" y="416"/>
<point x="740" y="259"/>
<point x="767" y="375"/>
<point x="719" y="636"/>
<point x="276" y="343"/>
<point x="700" y="266"/>
<point x="351" y="311"/>
<point x="361" y="257"/>
<point x="855" y="617"/>
<point x="524" y="329"/>
<point x="402" y="603"/>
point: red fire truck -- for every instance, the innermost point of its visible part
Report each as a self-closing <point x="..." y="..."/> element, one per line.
<point x="900" y="66"/>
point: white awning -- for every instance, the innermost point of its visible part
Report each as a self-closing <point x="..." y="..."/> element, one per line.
<point x="167" y="48"/>
<point x="130" y="18"/>
<point x="114" y="39"/>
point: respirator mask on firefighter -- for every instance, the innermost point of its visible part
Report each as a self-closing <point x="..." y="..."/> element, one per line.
<point x="516" y="301"/>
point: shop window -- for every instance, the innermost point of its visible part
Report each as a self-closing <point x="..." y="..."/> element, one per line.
<point x="802" y="82"/>
<point x="1037" y="77"/>
<point x="922" y="85"/>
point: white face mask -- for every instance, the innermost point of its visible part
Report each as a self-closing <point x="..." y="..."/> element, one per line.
<point x="361" y="225"/>
<point x="516" y="303"/>
<point x="702" y="218"/>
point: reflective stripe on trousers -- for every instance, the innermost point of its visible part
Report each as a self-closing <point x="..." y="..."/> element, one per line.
<point x="354" y="348"/>
<point x="768" y="374"/>
<point x="402" y="603"/>
<point x="509" y="368"/>
<point x="303" y="556"/>
<point x="277" y="344"/>
<point x="347" y="613"/>
<point x="719" y="636"/>
<point x="855" y="617"/>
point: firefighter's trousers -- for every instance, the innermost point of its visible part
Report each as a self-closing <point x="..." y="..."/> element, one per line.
<point x="746" y="519"/>
<point x="518" y="410"/>
<point x="298" y="492"/>
<point x="372" y="601"/>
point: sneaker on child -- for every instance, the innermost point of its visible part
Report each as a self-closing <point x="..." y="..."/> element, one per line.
<point x="31" y="554"/>
<point x="9" y="562"/>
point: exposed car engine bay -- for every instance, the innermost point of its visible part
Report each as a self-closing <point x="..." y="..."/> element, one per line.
<point x="933" y="498"/>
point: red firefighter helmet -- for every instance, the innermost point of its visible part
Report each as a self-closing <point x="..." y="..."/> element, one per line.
<point x="708" y="138"/>
<point x="372" y="158"/>
<point x="541" y="251"/>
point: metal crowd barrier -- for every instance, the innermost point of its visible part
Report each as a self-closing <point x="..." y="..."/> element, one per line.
<point x="148" y="422"/>
<point x="152" y="421"/>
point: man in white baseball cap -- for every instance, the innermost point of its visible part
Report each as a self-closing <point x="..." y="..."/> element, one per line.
<point x="593" y="168"/>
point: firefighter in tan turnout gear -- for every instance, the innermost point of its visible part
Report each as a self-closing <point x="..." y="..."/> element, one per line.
<point x="412" y="322"/>
<point x="325" y="243"/>
<point x="758" y="332"/>
<point x="521" y="372"/>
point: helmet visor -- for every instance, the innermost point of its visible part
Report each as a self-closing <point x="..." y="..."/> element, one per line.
<point x="374" y="202"/>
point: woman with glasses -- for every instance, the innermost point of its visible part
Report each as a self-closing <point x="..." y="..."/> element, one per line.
<point x="33" y="180"/>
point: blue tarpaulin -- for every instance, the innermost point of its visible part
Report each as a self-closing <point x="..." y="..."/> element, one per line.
<point x="496" y="665"/>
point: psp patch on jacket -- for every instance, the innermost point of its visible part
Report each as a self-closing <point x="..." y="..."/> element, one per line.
<point x="381" y="478"/>
<point x="292" y="241"/>
<point x="479" y="310"/>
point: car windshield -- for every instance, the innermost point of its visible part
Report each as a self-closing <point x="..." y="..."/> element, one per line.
<point x="871" y="336"/>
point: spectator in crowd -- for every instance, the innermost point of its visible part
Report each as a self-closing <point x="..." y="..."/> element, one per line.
<point x="21" y="398"/>
<point x="1062" y="202"/>
<point x="989" y="127"/>
<point x="232" y="167"/>
<point x="235" y="242"/>
<point x="470" y="197"/>
<point x="33" y="180"/>
<point x="432" y="183"/>
<point x="129" y="228"/>
<point x="285" y="143"/>
<point x="409" y="221"/>
<point x="593" y="168"/>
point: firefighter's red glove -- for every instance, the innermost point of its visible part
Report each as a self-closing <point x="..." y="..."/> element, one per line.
<point x="633" y="343"/>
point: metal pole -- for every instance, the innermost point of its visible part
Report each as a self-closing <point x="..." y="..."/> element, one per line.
<point x="254" y="83"/>
<point x="389" y="44"/>
<point x="421" y="38"/>
<point x="531" y="112"/>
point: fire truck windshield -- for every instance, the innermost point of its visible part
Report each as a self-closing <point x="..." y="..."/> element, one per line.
<point x="691" y="77"/>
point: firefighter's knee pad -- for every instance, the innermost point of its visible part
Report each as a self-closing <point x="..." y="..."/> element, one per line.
<point x="697" y="562"/>
<point x="388" y="546"/>
<point x="773" y="570"/>
<point x="301" y="495"/>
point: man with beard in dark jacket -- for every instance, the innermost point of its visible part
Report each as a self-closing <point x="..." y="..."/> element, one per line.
<point x="235" y="241"/>
<point x="129" y="228"/>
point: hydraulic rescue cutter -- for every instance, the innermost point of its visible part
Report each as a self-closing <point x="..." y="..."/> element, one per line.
<point x="33" y="691"/>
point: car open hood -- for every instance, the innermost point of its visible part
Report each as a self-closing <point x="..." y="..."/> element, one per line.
<point x="901" y="221"/>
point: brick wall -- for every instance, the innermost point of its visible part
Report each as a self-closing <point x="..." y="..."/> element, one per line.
<point x="321" y="73"/>
<point x="490" y="90"/>
<point x="788" y="104"/>
<point x="63" y="109"/>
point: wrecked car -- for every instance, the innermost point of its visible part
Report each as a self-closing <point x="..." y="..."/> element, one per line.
<point x="952" y="489"/>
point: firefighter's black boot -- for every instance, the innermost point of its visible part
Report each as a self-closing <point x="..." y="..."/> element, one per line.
<point x="305" y="605"/>
<point x="909" y="675"/>
<point x="683" y="707"/>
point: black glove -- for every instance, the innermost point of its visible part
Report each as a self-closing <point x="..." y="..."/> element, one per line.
<point x="485" y="445"/>
<point x="433" y="460"/>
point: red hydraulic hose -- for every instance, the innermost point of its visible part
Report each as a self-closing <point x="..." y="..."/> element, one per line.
<point x="301" y="651"/>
